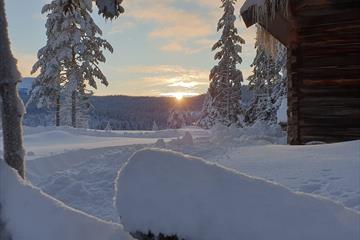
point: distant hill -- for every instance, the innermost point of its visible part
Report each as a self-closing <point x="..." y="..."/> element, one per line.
<point x="25" y="85"/>
<point x="126" y="112"/>
<point x="123" y="112"/>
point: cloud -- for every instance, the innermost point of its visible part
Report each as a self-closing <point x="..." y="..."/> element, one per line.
<point x="162" y="79"/>
<point x="179" y="48"/>
<point x="179" y="29"/>
<point x="182" y="94"/>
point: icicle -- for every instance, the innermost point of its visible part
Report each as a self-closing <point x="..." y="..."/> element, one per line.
<point x="266" y="41"/>
<point x="264" y="11"/>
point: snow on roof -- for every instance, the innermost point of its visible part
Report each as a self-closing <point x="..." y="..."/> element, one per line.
<point x="250" y="3"/>
<point x="171" y="193"/>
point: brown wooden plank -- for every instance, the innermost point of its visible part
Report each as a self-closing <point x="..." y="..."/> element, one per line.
<point x="335" y="81"/>
<point x="330" y="91"/>
<point x="329" y="101"/>
<point x="329" y="122"/>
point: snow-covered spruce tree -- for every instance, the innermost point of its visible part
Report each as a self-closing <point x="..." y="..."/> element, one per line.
<point x="76" y="108"/>
<point x="176" y="119"/>
<point x="268" y="81"/>
<point x="47" y="85"/>
<point x="109" y="9"/>
<point x="208" y="114"/>
<point x="12" y="108"/>
<point x="75" y="44"/>
<point x="225" y="78"/>
<point x="155" y="127"/>
<point x="108" y="127"/>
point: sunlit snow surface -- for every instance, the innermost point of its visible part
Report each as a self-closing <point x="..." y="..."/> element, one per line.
<point x="172" y="193"/>
<point x="79" y="167"/>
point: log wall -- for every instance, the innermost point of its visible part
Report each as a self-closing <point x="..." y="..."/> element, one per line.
<point x="324" y="73"/>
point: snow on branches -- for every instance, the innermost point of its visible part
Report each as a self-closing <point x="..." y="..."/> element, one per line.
<point x="69" y="62"/>
<point x="224" y="102"/>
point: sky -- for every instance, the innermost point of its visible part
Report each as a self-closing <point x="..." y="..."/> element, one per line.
<point x="161" y="47"/>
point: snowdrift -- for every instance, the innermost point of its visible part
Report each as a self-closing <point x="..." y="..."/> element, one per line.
<point x="30" y="214"/>
<point x="167" y="192"/>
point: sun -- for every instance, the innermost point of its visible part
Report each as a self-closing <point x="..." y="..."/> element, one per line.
<point x="179" y="96"/>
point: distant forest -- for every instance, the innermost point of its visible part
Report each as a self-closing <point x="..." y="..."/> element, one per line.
<point x="123" y="112"/>
<point x="138" y="113"/>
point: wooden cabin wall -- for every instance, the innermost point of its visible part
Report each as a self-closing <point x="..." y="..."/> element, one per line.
<point x="324" y="74"/>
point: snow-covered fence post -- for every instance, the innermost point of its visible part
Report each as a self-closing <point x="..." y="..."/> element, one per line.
<point x="12" y="107"/>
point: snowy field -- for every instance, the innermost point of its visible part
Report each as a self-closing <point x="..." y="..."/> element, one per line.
<point x="79" y="167"/>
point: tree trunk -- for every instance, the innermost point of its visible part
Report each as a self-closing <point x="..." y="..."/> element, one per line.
<point x="57" y="111"/>
<point x="12" y="107"/>
<point x="73" y="109"/>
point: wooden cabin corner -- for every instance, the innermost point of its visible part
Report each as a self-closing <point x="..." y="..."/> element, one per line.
<point x="323" y="42"/>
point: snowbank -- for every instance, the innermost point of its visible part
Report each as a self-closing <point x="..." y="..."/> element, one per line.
<point x="260" y="133"/>
<point x="282" y="112"/>
<point x="30" y="214"/>
<point x="167" y="192"/>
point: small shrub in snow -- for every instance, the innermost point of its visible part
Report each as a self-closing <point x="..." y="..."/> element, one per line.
<point x="30" y="153"/>
<point x="187" y="139"/>
<point x="160" y="143"/>
<point x="151" y="236"/>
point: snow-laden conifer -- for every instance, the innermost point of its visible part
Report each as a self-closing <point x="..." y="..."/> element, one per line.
<point x="155" y="127"/>
<point x="224" y="102"/>
<point x="176" y="119"/>
<point x="268" y="82"/>
<point x="69" y="63"/>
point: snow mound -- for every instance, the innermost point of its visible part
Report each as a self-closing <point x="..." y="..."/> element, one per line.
<point x="160" y="143"/>
<point x="187" y="139"/>
<point x="32" y="214"/>
<point x="259" y="133"/>
<point x="282" y="112"/>
<point x="171" y="193"/>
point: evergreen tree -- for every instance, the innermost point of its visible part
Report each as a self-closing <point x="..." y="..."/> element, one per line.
<point x="108" y="127"/>
<point x="176" y="119"/>
<point x="224" y="102"/>
<point x="268" y="81"/>
<point x="12" y="106"/>
<point x="155" y="127"/>
<point x="76" y="112"/>
<point x="109" y="9"/>
<point x="208" y="114"/>
<point x="70" y="60"/>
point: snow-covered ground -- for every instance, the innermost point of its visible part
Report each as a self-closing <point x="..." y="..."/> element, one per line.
<point x="172" y="193"/>
<point x="79" y="167"/>
<point x="31" y="214"/>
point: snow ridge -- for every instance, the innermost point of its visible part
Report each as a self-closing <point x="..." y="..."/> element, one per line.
<point x="171" y="193"/>
<point x="31" y="214"/>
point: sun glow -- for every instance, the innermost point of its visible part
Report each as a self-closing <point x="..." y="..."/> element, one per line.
<point x="179" y="96"/>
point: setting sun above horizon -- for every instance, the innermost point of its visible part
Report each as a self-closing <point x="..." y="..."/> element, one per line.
<point x="179" y="96"/>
